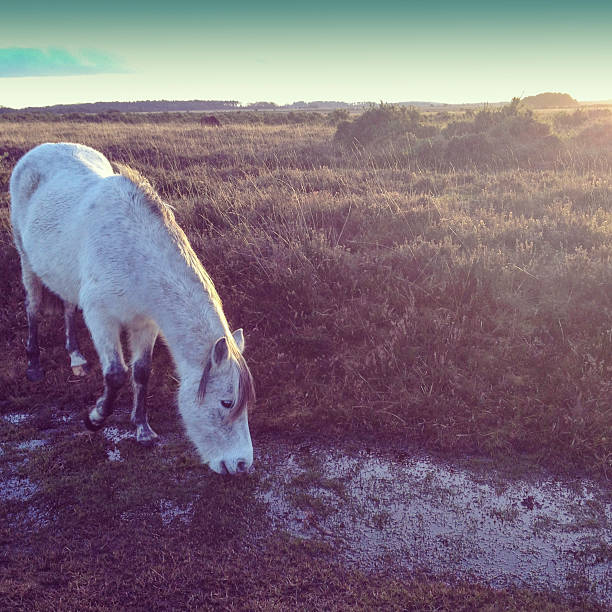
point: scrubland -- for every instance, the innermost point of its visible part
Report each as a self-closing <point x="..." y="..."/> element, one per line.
<point x="443" y="281"/>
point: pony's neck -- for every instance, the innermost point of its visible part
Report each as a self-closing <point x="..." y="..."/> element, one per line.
<point x="182" y="297"/>
<point x="190" y="320"/>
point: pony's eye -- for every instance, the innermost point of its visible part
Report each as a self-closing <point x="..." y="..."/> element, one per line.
<point x="226" y="403"/>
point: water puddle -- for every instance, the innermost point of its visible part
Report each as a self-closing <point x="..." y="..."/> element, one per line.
<point x="169" y="511"/>
<point x="21" y="489"/>
<point x="15" y="488"/>
<point x="16" y="418"/>
<point x="417" y="513"/>
<point x="397" y="511"/>
<point x="29" y="445"/>
<point x="115" y="435"/>
<point x="113" y="454"/>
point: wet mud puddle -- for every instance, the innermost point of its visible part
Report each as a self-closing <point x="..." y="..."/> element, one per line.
<point x="383" y="510"/>
<point x="418" y="513"/>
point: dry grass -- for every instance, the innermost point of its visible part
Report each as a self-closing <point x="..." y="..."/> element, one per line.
<point x="464" y="311"/>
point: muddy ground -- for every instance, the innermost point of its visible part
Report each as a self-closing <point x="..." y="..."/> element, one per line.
<point x="378" y="509"/>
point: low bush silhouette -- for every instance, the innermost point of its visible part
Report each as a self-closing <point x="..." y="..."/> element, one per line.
<point x="499" y="137"/>
<point x="383" y="123"/>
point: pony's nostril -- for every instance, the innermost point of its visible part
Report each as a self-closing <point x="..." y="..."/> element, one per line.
<point x="241" y="466"/>
<point x="224" y="469"/>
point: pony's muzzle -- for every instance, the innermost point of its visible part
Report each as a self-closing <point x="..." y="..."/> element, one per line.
<point x="232" y="466"/>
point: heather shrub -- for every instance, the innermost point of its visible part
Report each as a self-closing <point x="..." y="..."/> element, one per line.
<point x="507" y="136"/>
<point x="570" y="120"/>
<point x="338" y="115"/>
<point x="382" y="124"/>
<point x="596" y="134"/>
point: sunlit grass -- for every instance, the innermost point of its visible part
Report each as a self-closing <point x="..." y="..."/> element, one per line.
<point x="465" y="310"/>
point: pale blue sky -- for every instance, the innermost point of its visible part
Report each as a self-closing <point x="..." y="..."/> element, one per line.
<point x="452" y="52"/>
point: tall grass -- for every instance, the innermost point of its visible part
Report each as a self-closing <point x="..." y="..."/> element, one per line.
<point x="386" y="291"/>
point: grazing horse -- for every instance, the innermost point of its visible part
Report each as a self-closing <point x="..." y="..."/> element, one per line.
<point x="107" y="243"/>
<point x="210" y="120"/>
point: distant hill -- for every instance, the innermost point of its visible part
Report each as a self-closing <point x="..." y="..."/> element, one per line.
<point x="142" y="106"/>
<point x="158" y="106"/>
<point x="550" y="100"/>
<point x="543" y="100"/>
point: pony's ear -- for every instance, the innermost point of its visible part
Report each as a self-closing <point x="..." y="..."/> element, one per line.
<point x="239" y="338"/>
<point x="219" y="352"/>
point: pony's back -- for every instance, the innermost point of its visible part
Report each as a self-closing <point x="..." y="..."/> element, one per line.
<point x="48" y="161"/>
<point x="51" y="187"/>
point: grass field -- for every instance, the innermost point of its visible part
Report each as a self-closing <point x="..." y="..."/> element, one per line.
<point x="443" y="281"/>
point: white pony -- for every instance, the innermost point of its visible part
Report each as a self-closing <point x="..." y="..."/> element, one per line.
<point x="108" y="244"/>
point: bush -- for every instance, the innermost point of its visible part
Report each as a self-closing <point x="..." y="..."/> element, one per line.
<point x="491" y="137"/>
<point x="382" y="124"/>
<point x="469" y="149"/>
<point x="550" y="100"/>
<point x="565" y="120"/>
<point x="338" y="115"/>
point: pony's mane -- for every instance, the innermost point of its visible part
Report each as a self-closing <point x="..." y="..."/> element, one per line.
<point x="246" y="388"/>
<point x="165" y="212"/>
<point x="245" y="394"/>
<point x="150" y="196"/>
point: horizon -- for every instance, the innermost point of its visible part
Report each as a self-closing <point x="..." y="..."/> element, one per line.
<point x="242" y="105"/>
<point x="472" y="53"/>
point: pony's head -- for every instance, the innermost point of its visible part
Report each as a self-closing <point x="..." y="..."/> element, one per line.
<point x="215" y="408"/>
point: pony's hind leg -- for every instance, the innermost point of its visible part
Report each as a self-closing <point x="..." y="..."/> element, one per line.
<point x="34" y="294"/>
<point x="142" y="339"/>
<point x="105" y="335"/>
<point x="78" y="363"/>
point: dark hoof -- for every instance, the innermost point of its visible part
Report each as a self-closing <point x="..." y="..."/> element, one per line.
<point x="91" y="426"/>
<point x="145" y="435"/>
<point x="35" y="374"/>
<point x="147" y="443"/>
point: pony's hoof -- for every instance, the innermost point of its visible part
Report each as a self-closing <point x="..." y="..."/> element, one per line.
<point x="145" y="435"/>
<point x="35" y="374"/>
<point x="80" y="370"/>
<point x="90" y="424"/>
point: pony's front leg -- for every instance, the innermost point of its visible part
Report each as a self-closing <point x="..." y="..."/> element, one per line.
<point x="142" y="340"/>
<point x="114" y="378"/>
<point x="78" y="363"/>
<point x="140" y="372"/>
<point x="105" y="335"/>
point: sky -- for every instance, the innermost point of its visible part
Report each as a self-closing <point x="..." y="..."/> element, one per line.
<point x="437" y="50"/>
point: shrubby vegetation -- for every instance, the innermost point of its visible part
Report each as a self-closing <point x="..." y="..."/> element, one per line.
<point x="579" y="117"/>
<point x="383" y="124"/>
<point x="114" y="116"/>
<point x="494" y="137"/>
<point x="550" y="100"/>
